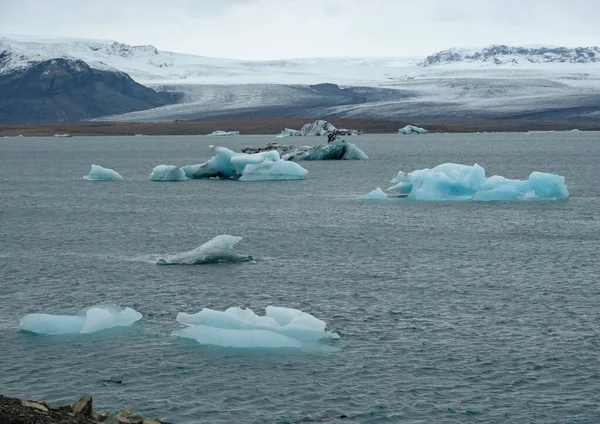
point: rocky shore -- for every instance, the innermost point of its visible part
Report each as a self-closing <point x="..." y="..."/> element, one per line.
<point x="19" y="411"/>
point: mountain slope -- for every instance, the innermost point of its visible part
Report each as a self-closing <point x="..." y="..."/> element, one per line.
<point x="67" y="90"/>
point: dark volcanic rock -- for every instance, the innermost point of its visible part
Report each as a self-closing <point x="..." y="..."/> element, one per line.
<point x="69" y="90"/>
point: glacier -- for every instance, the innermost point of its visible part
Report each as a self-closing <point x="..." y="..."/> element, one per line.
<point x="168" y="173"/>
<point x="263" y="166"/>
<point x="98" y="173"/>
<point x="450" y="181"/>
<point x="90" y="320"/>
<point x="241" y="328"/>
<point x="411" y="129"/>
<point x="224" y="133"/>
<point x="337" y="150"/>
<point x="217" y="250"/>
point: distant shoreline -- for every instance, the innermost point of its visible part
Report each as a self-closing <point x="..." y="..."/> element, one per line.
<point x="275" y="126"/>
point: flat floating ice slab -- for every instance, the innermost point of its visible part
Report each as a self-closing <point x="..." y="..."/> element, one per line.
<point x="91" y="320"/>
<point x="217" y="250"/>
<point x="98" y="173"/>
<point x="242" y="328"/>
<point x="455" y="182"/>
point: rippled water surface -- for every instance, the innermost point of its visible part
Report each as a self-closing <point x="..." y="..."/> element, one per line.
<point x="447" y="312"/>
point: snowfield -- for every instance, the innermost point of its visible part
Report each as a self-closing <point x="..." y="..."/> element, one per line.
<point x="495" y="81"/>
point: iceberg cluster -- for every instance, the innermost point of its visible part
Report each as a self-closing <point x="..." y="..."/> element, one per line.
<point x="242" y="328"/>
<point x="91" y="320"/>
<point x="224" y="133"/>
<point x="264" y="166"/>
<point x="317" y="128"/>
<point x="98" y="173"/>
<point x="451" y="181"/>
<point x="217" y="250"/>
<point x="411" y="129"/>
<point x="167" y="173"/>
<point x="338" y="150"/>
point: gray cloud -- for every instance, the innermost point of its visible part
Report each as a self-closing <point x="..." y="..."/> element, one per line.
<point x="271" y="29"/>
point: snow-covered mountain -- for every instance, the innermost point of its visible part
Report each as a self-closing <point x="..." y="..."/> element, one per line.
<point x="515" y="56"/>
<point x="493" y="82"/>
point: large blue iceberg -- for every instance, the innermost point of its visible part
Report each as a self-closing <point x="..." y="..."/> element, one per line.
<point x="98" y="173"/>
<point x="90" y="320"/>
<point x="264" y="166"/>
<point x="242" y="328"/>
<point x="217" y="250"/>
<point x="451" y="181"/>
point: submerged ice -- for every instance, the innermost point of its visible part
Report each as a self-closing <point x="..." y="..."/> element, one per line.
<point x="263" y="166"/>
<point x="451" y="181"/>
<point x="98" y="173"/>
<point x="217" y="250"/>
<point x="90" y="320"/>
<point x="242" y="328"/>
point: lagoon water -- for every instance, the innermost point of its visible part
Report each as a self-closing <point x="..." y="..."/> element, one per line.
<point x="447" y="312"/>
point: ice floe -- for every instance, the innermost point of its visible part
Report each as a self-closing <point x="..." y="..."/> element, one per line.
<point x="90" y="320"/>
<point x="337" y="150"/>
<point x="264" y="166"/>
<point x="242" y="328"/>
<point x="451" y="181"/>
<point x="224" y="133"/>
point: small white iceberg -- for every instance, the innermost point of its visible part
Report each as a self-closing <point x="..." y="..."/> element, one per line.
<point x="167" y="173"/>
<point x="63" y="135"/>
<point x="411" y="129"/>
<point x="91" y="320"/>
<point x="217" y="250"/>
<point x="98" y="173"/>
<point x="242" y="328"/>
<point x="224" y="133"/>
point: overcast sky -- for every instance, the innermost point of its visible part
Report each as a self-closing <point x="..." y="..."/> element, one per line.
<point x="276" y="29"/>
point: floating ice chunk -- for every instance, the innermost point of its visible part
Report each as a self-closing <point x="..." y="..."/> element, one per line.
<point x="240" y="161"/>
<point x="242" y="328"/>
<point x="224" y="133"/>
<point x="91" y="320"/>
<point x="451" y="181"/>
<point x="167" y="173"/>
<point x="219" y="166"/>
<point x="377" y="194"/>
<point x="217" y="250"/>
<point x="63" y="135"/>
<point x="98" y="173"/>
<point x="411" y="129"/>
<point x="338" y="150"/>
<point x="575" y="130"/>
<point x="264" y="166"/>
<point x="268" y="170"/>
<point x="287" y="132"/>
